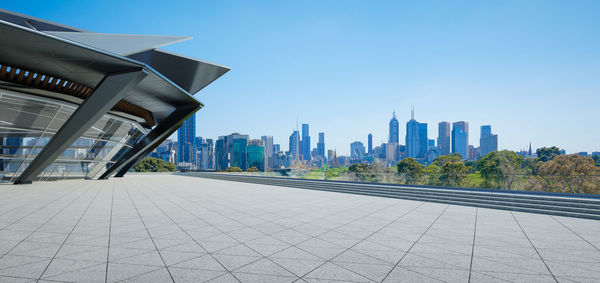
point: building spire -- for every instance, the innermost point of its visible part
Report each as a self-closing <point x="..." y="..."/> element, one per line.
<point x="412" y="112"/>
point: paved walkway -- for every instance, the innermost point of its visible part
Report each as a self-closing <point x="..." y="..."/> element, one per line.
<point x="164" y="228"/>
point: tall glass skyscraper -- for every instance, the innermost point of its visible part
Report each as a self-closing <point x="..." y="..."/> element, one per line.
<point x="487" y="141"/>
<point x="295" y="145"/>
<point x="394" y="135"/>
<point x="460" y="137"/>
<point x="321" y="146"/>
<point x="416" y="138"/>
<point x="186" y="142"/>
<point x="370" y="143"/>
<point x="305" y="142"/>
<point x="240" y="152"/>
<point x="256" y="154"/>
<point x="444" y="138"/>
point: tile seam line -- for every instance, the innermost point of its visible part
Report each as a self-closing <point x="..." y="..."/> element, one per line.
<point x="112" y="201"/>
<point x="312" y="237"/>
<point x="581" y="237"/>
<point x="70" y="232"/>
<point x="415" y="243"/>
<point x="150" y="235"/>
<point x="473" y="246"/>
<point x="385" y="226"/>
<point x="534" y="248"/>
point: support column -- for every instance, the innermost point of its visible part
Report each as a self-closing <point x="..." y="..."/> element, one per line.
<point x="161" y="132"/>
<point x="108" y="92"/>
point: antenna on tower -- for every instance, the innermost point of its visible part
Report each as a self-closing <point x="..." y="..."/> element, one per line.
<point x="412" y="112"/>
<point x="296" y="122"/>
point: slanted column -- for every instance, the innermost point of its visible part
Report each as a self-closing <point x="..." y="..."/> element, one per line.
<point x="109" y="91"/>
<point x="153" y="139"/>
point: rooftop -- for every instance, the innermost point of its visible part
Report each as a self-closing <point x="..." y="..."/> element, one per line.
<point x="184" y="229"/>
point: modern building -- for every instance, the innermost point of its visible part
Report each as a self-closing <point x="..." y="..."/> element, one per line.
<point x="80" y="104"/>
<point x="206" y="154"/>
<point x="268" y="144"/>
<point x="391" y="153"/>
<point x="321" y="146"/>
<point x="488" y="142"/>
<point x="444" y="138"/>
<point x="416" y="138"/>
<point x="460" y="138"/>
<point x="394" y="129"/>
<point x="370" y="144"/>
<point x="294" y="147"/>
<point x="239" y="152"/>
<point x="256" y="154"/>
<point x="357" y="150"/>
<point x="305" y="142"/>
<point x="186" y="143"/>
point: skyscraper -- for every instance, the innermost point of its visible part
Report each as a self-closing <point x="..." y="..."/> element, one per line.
<point x="460" y="137"/>
<point x="444" y="138"/>
<point x="357" y="150"/>
<point x="487" y="142"/>
<point x="186" y="142"/>
<point x="295" y="145"/>
<point x="305" y="142"/>
<point x="321" y="146"/>
<point x="239" y="156"/>
<point x="231" y="151"/>
<point x="370" y="143"/>
<point x="416" y="138"/>
<point x="256" y="154"/>
<point x="394" y="129"/>
<point x="268" y="144"/>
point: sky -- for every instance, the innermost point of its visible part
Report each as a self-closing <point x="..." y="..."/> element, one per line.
<point x="531" y="69"/>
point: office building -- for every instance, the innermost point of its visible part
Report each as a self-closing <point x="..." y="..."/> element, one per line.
<point x="268" y="144"/>
<point x="256" y="154"/>
<point x="488" y="142"/>
<point x="186" y="143"/>
<point x="101" y="101"/>
<point x="394" y="129"/>
<point x="357" y="150"/>
<point x="391" y="153"/>
<point x="370" y="144"/>
<point x="460" y="138"/>
<point x="294" y="147"/>
<point x="416" y="138"/>
<point x="305" y="142"/>
<point x="444" y="138"/>
<point x="239" y="152"/>
<point x="321" y="146"/>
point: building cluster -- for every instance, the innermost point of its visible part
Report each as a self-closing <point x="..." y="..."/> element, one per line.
<point x="452" y="138"/>
<point x="237" y="150"/>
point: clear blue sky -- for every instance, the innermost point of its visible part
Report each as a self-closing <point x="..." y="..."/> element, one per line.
<point x="531" y="69"/>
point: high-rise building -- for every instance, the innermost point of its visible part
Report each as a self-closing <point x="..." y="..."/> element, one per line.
<point x="391" y="156"/>
<point x="305" y="142"/>
<point x="221" y="154"/>
<point x="460" y="137"/>
<point x="472" y="153"/>
<point x="207" y="155"/>
<point x="444" y="138"/>
<point x="487" y="142"/>
<point x="370" y="143"/>
<point x="357" y="150"/>
<point x="240" y="152"/>
<point x="186" y="143"/>
<point x="394" y="134"/>
<point x="256" y="154"/>
<point x="268" y="144"/>
<point x="416" y="138"/>
<point x="321" y="146"/>
<point x="295" y="145"/>
<point x="276" y="148"/>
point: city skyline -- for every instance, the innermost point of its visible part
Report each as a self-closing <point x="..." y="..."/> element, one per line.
<point x="344" y="68"/>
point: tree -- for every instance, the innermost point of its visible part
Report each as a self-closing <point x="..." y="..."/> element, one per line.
<point x="252" y="169"/>
<point x="500" y="168"/>
<point x="233" y="169"/>
<point x="546" y="154"/>
<point x="151" y="164"/>
<point x="596" y="159"/>
<point x="441" y="160"/>
<point x="453" y="173"/>
<point x="363" y="172"/>
<point x="410" y="169"/>
<point x="570" y="174"/>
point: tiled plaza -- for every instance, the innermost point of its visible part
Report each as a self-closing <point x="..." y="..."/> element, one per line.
<point x="164" y="228"/>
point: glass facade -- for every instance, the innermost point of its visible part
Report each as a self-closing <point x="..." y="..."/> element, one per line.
<point x="28" y="122"/>
<point x="256" y="157"/>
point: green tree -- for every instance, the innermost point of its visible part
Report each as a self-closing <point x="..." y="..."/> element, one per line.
<point x="410" y="169"/>
<point x="500" y="169"/>
<point x="546" y="154"/>
<point x="151" y="164"/>
<point x="233" y="169"/>
<point x="441" y="160"/>
<point x="570" y="174"/>
<point x="454" y="173"/>
<point x="252" y="169"/>
<point x="362" y="172"/>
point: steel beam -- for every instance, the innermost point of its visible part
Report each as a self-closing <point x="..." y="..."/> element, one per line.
<point x="153" y="139"/>
<point x="110" y="90"/>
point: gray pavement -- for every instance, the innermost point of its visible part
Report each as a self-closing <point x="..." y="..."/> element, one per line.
<point x="164" y="228"/>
